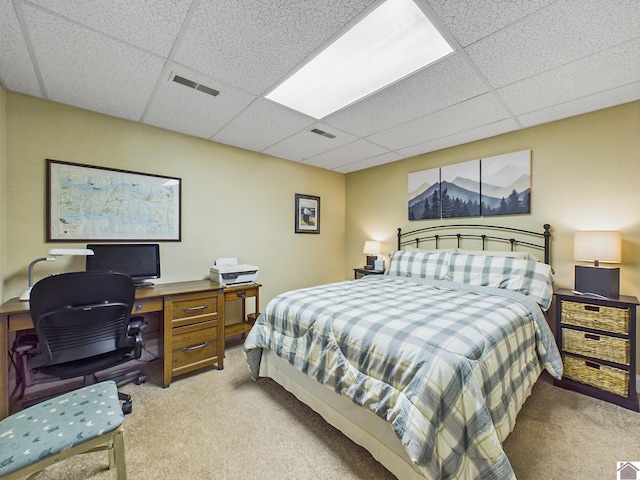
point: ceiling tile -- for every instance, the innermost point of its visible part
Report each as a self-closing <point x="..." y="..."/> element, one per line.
<point x="471" y="20"/>
<point x="16" y="70"/>
<point x="252" y="44"/>
<point x="617" y="96"/>
<point x="107" y="76"/>
<point x="151" y="25"/>
<point x="484" y="131"/>
<point x="603" y="71"/>
<point x="346" y="154"/>
<point x="463" y="116"/>
<point x="306" y="144"/>
<point x="370" y="162"/>
<point x="187" y="110"/>
<point x="559" y="34"/>
<point x="262" y="124"/>
<point x="447" y="82"/>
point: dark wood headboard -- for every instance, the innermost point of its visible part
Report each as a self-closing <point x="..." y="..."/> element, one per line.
<point x="495" y="233"/>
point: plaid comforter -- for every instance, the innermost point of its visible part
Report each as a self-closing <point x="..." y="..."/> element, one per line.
<point x="448" y="365"/>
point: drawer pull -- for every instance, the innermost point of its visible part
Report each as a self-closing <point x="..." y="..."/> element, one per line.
<point x="592" y="365"/>
<point x="592" y="308"/>
<point x="193" y="309"/>
<point x="242" y="293"/>
<point x="195" y="347"/>
<point x="590" y="336"/>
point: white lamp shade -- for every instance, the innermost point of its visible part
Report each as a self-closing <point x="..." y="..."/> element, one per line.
<point x="597" y="246"/>
<point x="371" y="247"/>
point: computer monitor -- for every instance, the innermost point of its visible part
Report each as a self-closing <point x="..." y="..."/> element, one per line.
<point x="140" y="261"/>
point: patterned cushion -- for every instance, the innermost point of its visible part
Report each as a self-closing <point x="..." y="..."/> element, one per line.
<point x="528" y="277"/>
<point x="46" y="429"/>
<point x="420" y="264"/>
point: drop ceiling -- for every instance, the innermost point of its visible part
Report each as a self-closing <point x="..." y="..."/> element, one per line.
<point x="517" y="63"/>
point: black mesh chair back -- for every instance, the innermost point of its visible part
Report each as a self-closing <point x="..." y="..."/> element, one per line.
<point x="83" y="324"/>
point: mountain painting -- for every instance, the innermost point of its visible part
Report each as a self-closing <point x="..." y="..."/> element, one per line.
<point x="506" y="184"/>
<point x="460" y="189"/>
<point x="424" y="194"/>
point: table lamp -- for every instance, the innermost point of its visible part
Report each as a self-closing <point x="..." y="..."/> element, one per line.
<point x="53" y="253"/>
<point x="371" y="250"/>
<point x="597" y="247"/>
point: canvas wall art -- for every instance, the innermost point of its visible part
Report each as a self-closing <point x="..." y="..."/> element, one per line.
<point x="424" y="194"/>
<point x="498" y="185"/>
<point x="460" y="189"/>
<point x="506" y="184"/>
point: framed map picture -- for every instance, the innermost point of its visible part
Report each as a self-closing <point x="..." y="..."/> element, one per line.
<point x="94" y="203"/>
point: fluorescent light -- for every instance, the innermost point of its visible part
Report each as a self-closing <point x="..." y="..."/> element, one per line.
<point x="393" y="41"/>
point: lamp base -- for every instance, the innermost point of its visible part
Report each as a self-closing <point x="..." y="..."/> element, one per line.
<point x="603" y="281"/>
<point x="371" y="260"/>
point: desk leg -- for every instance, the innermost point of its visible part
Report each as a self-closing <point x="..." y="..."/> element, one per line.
<point x="4" y="370"/>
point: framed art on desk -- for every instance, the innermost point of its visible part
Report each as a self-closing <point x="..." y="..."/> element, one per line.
<point x="88" y="203"/>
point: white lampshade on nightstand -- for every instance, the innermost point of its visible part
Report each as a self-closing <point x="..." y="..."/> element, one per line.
<point x="53" y="253"/>
<point x="371" y="250"/>
<point x="598" y="246"/>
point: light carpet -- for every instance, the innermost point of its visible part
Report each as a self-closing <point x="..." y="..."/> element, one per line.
<point x="221" y="425"/>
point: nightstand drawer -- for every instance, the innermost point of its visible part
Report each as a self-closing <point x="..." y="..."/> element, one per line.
<point x="602" y="347"/>
<point x="599" y="317"/>
<point x="610" y="379"/>
<point x="195" y="344"/>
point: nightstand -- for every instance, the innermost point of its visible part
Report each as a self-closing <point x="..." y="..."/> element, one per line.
<point x="361" y="272"/>
<point x="597" y="340"/>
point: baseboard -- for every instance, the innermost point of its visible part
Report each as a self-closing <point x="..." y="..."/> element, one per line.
<point x="638" y="383"/>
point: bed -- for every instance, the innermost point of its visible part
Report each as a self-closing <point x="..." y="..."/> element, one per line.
<point x="427" y="365"/>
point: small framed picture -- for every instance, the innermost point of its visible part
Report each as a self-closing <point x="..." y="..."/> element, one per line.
<point x="307" y="214"/>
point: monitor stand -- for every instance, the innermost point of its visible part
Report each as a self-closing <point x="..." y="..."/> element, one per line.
<point x="143" y="284"/>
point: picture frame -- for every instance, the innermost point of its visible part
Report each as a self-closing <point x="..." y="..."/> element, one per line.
<point x="307" y="213"/>
<point x="90" y="203"/>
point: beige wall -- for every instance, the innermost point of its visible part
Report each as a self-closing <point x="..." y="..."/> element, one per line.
<point x="3" y="200"/>
<point x="234" y="202"/>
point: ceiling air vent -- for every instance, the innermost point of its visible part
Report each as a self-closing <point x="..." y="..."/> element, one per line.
<point x="323" y="133"/>
<point x="191" y="84"/>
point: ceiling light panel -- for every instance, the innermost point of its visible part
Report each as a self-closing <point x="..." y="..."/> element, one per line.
<point x="393" y="41"/>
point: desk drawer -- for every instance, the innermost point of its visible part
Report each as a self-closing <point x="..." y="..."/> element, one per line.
<point x="240" y="294"/>
<point x="194" y="345"/>
<point x="193" y="309"/>
<point x="147" y="305"/>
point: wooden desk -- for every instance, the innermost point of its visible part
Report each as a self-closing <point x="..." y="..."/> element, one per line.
<point x="192" y="331"/>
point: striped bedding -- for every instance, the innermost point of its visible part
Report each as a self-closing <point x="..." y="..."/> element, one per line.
<point x="447" y="365"/>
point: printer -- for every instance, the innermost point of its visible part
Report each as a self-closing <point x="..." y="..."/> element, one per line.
<point x="228" y="272"/>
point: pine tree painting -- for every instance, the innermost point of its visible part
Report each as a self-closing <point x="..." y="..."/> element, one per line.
<point x="424" y="194"/>
<point x="506" y="184"/>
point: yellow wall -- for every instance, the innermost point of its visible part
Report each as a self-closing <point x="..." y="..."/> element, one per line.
<point x="3" y="201"/>
<point x="585" y="176"/>
<point x="234" y="202"/>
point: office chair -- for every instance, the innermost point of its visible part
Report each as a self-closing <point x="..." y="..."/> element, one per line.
<point x="83" y="324"/>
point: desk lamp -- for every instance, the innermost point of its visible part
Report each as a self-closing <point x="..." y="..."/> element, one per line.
<point x="596" y="247"/>
<point x="53" y="253"/>
<point x="371" y="250"/>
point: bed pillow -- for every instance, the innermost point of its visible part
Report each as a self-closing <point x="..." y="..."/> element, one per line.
<point x="528" y="277"/>
<point x="420" y="264"/>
